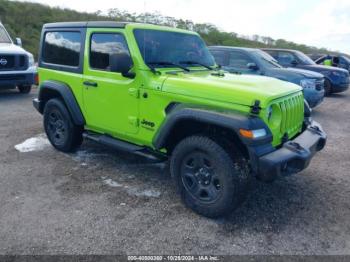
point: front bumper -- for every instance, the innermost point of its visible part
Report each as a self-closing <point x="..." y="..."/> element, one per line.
<point x="295" y="155"/>
<point x="342" y="86"/>
<point x="314" y="97"/>
<point x="12" y="79"/>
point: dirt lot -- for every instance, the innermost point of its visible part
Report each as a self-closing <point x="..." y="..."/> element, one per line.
<point x="98" y="201"/>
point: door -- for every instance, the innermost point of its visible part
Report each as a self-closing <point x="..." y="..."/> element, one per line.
<point x="110" y="99"/>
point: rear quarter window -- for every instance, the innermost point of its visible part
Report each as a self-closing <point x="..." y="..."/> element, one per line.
<point x="62" y="48"/>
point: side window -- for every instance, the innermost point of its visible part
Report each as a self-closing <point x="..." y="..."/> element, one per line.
<point x="285" y="58"/>
<point x="239" y="60"/>
<point x="271" y="53"/>
<point x="102" y="46"/>
<point x="62" y="48"/>
<point x="343" y="63"/>
<point x="4" y="38"/>
<point x="320" y="61"/>
<point x="221" y="57"/>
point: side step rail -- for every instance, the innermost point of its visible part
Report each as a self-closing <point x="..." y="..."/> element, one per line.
<point x="125" y="146"/>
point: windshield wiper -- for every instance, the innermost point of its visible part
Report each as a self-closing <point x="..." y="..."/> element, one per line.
<point x="196" y="63"/>
<point x="165" y="63"/>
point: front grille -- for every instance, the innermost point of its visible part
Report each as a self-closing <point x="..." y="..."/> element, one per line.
<point x="292" y="109"/>
<point x="13" y="62"/>
<point x="319" y="85"/>
<point x="7" y="62"/>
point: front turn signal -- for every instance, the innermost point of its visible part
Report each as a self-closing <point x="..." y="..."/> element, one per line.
<point x="251" y="134"/>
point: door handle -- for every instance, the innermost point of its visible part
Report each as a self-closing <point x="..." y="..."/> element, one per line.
<point x="92" y="84"/>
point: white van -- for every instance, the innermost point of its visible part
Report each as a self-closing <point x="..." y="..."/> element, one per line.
<point x="17" y="67"/>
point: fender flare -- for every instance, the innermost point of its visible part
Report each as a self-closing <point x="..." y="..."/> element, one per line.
<point x="65" y="92"/>
<point x="231" y="120"/>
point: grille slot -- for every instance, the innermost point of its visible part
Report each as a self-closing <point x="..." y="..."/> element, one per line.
<point x="7" y="62"/>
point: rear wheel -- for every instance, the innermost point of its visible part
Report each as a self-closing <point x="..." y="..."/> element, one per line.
<point x="210" y="180"/>
<point x="60" y="129"/>
<point x="327" y="87"/>
<point x="24" y="89"/>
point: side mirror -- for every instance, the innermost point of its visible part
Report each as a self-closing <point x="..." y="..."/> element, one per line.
<point x="253" y="66"/>
<point x="121" y="63"/>
<point x="18" y="41"/>
<point x="294" y="63"/>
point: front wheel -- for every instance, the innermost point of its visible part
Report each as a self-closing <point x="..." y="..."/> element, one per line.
<point x="62" y="133"/>
<point x="210" y="180"/>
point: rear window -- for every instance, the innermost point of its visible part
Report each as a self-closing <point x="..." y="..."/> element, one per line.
<point x="62" y="48"/>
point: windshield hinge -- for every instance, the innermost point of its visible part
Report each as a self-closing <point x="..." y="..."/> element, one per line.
<point x="255" y="109"/>
<point x="135" y="92"/>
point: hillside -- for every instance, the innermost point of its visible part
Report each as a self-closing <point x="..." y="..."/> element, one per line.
<point x="25" y="20"/>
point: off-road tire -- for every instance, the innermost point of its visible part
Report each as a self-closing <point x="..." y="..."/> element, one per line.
<point x="24" y="89"/>
<point x="60" y="129"/>
<point x="230" y="176"/>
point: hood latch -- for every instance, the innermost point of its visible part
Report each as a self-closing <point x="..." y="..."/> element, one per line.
<point x="255" y="109"/>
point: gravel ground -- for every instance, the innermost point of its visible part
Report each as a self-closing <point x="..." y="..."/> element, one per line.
<point x="98" y="201"/>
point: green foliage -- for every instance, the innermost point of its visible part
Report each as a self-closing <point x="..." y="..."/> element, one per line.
<point x="25" y="20"/>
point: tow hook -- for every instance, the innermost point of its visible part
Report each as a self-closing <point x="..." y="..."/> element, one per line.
<point x="296" y="147"/>
<point x="315" y="129"/>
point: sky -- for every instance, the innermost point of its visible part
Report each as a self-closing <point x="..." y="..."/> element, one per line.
<point x="320" y="23"/>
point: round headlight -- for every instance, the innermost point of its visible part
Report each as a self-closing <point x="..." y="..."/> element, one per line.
<point x="274" y="116"/>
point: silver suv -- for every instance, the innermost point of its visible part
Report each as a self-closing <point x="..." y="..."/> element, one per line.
<point x="17" y="67"/>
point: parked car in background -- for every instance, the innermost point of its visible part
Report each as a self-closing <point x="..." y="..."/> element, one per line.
<point x="315" y="56"/>
<point x="336" y="79"/>
<point x="256" y="62"/>
<point x="340" y="61"/>
<point x="17" y="68"/>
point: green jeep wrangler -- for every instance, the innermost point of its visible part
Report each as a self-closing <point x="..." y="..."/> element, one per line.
<point x="156" y="92"/>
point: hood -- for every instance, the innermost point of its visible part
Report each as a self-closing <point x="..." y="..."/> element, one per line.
<point x="293" y="75"/>
<point x="230" y="88"/>
<point x="304" y="73"/>
<point x="324" y="69"/>
<point x="11" y="49"/>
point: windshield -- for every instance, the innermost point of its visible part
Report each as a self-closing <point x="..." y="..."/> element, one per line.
<point x="304" y="59"/>
<point x="347" y="59"/>
<point x="4" y="38"/>
<point x="266" y="59"/>
<point x="167" y="49"/>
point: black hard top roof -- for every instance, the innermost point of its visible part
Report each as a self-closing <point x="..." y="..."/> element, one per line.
<point x="110" y="24"/>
